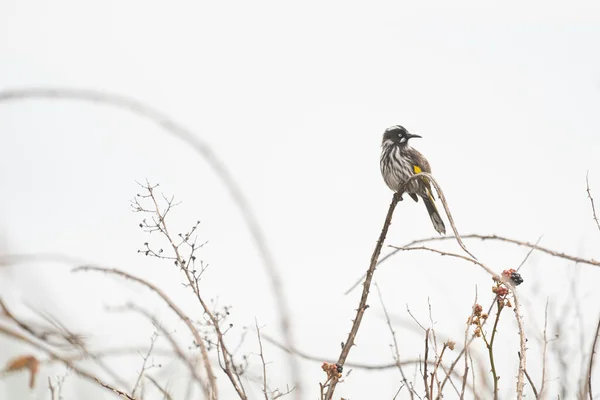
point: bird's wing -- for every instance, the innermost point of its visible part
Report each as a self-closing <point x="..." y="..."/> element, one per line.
<point x="419" y="161"/>
<point x="420" y="164"/>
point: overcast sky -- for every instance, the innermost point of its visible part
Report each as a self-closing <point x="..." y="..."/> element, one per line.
<point x="294" y="99"/>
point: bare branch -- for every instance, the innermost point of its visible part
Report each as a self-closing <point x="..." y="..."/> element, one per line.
<point x="264" y="364"/>
<point x="481" y="237"/>
<point x="513" y="241"/>
<point x="531" y="250"/>
<point x="145" y="360"/>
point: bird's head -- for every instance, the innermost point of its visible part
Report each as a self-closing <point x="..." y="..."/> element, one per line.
<point x="397" y="134"/>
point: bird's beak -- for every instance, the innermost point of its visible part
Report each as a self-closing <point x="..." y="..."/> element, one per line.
<point x="410" y="136"/>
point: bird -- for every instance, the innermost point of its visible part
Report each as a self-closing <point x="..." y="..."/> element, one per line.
<point x="399" y="161"/>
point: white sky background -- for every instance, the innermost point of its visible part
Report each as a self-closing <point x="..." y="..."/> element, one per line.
<point x="294" y="99"/>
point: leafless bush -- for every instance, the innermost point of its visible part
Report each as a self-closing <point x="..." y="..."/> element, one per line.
<point x="440" y="369"/>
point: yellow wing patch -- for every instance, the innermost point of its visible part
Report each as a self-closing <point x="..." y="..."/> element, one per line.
<point x="417" y="169"/>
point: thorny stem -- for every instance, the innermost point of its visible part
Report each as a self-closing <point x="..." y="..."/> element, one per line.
<point x="490" y="346"/>
<point x="362" y="307"/>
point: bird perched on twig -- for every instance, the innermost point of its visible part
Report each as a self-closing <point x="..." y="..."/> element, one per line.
<point x="399" y="161"/>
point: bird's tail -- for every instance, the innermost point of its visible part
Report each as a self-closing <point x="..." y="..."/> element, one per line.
<point x="438" y="224"/>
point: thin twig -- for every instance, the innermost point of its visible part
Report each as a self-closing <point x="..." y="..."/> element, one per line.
<point x="262" y="359"/>
<point x="396" y="348"/>
<point x="513" y="241"/>
<point x="145" y="360"/>
<point x="203" y="149"/>
<point x="481" y="237"/>
<point x="544" y="351"/>
<point x="118" y="392"/>
<point x="591" y="365"/>
<point x="531" y="250"/>
<point x="427" y="392"/>
<point x="179" y="351"/>
<point x="589" y="192"/>
<point x="444" y="253"/>
<point x="367" y="367"/>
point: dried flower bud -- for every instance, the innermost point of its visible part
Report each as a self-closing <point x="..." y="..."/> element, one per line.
<point x="477" y="309"/>
<point x="450" y="344"/>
